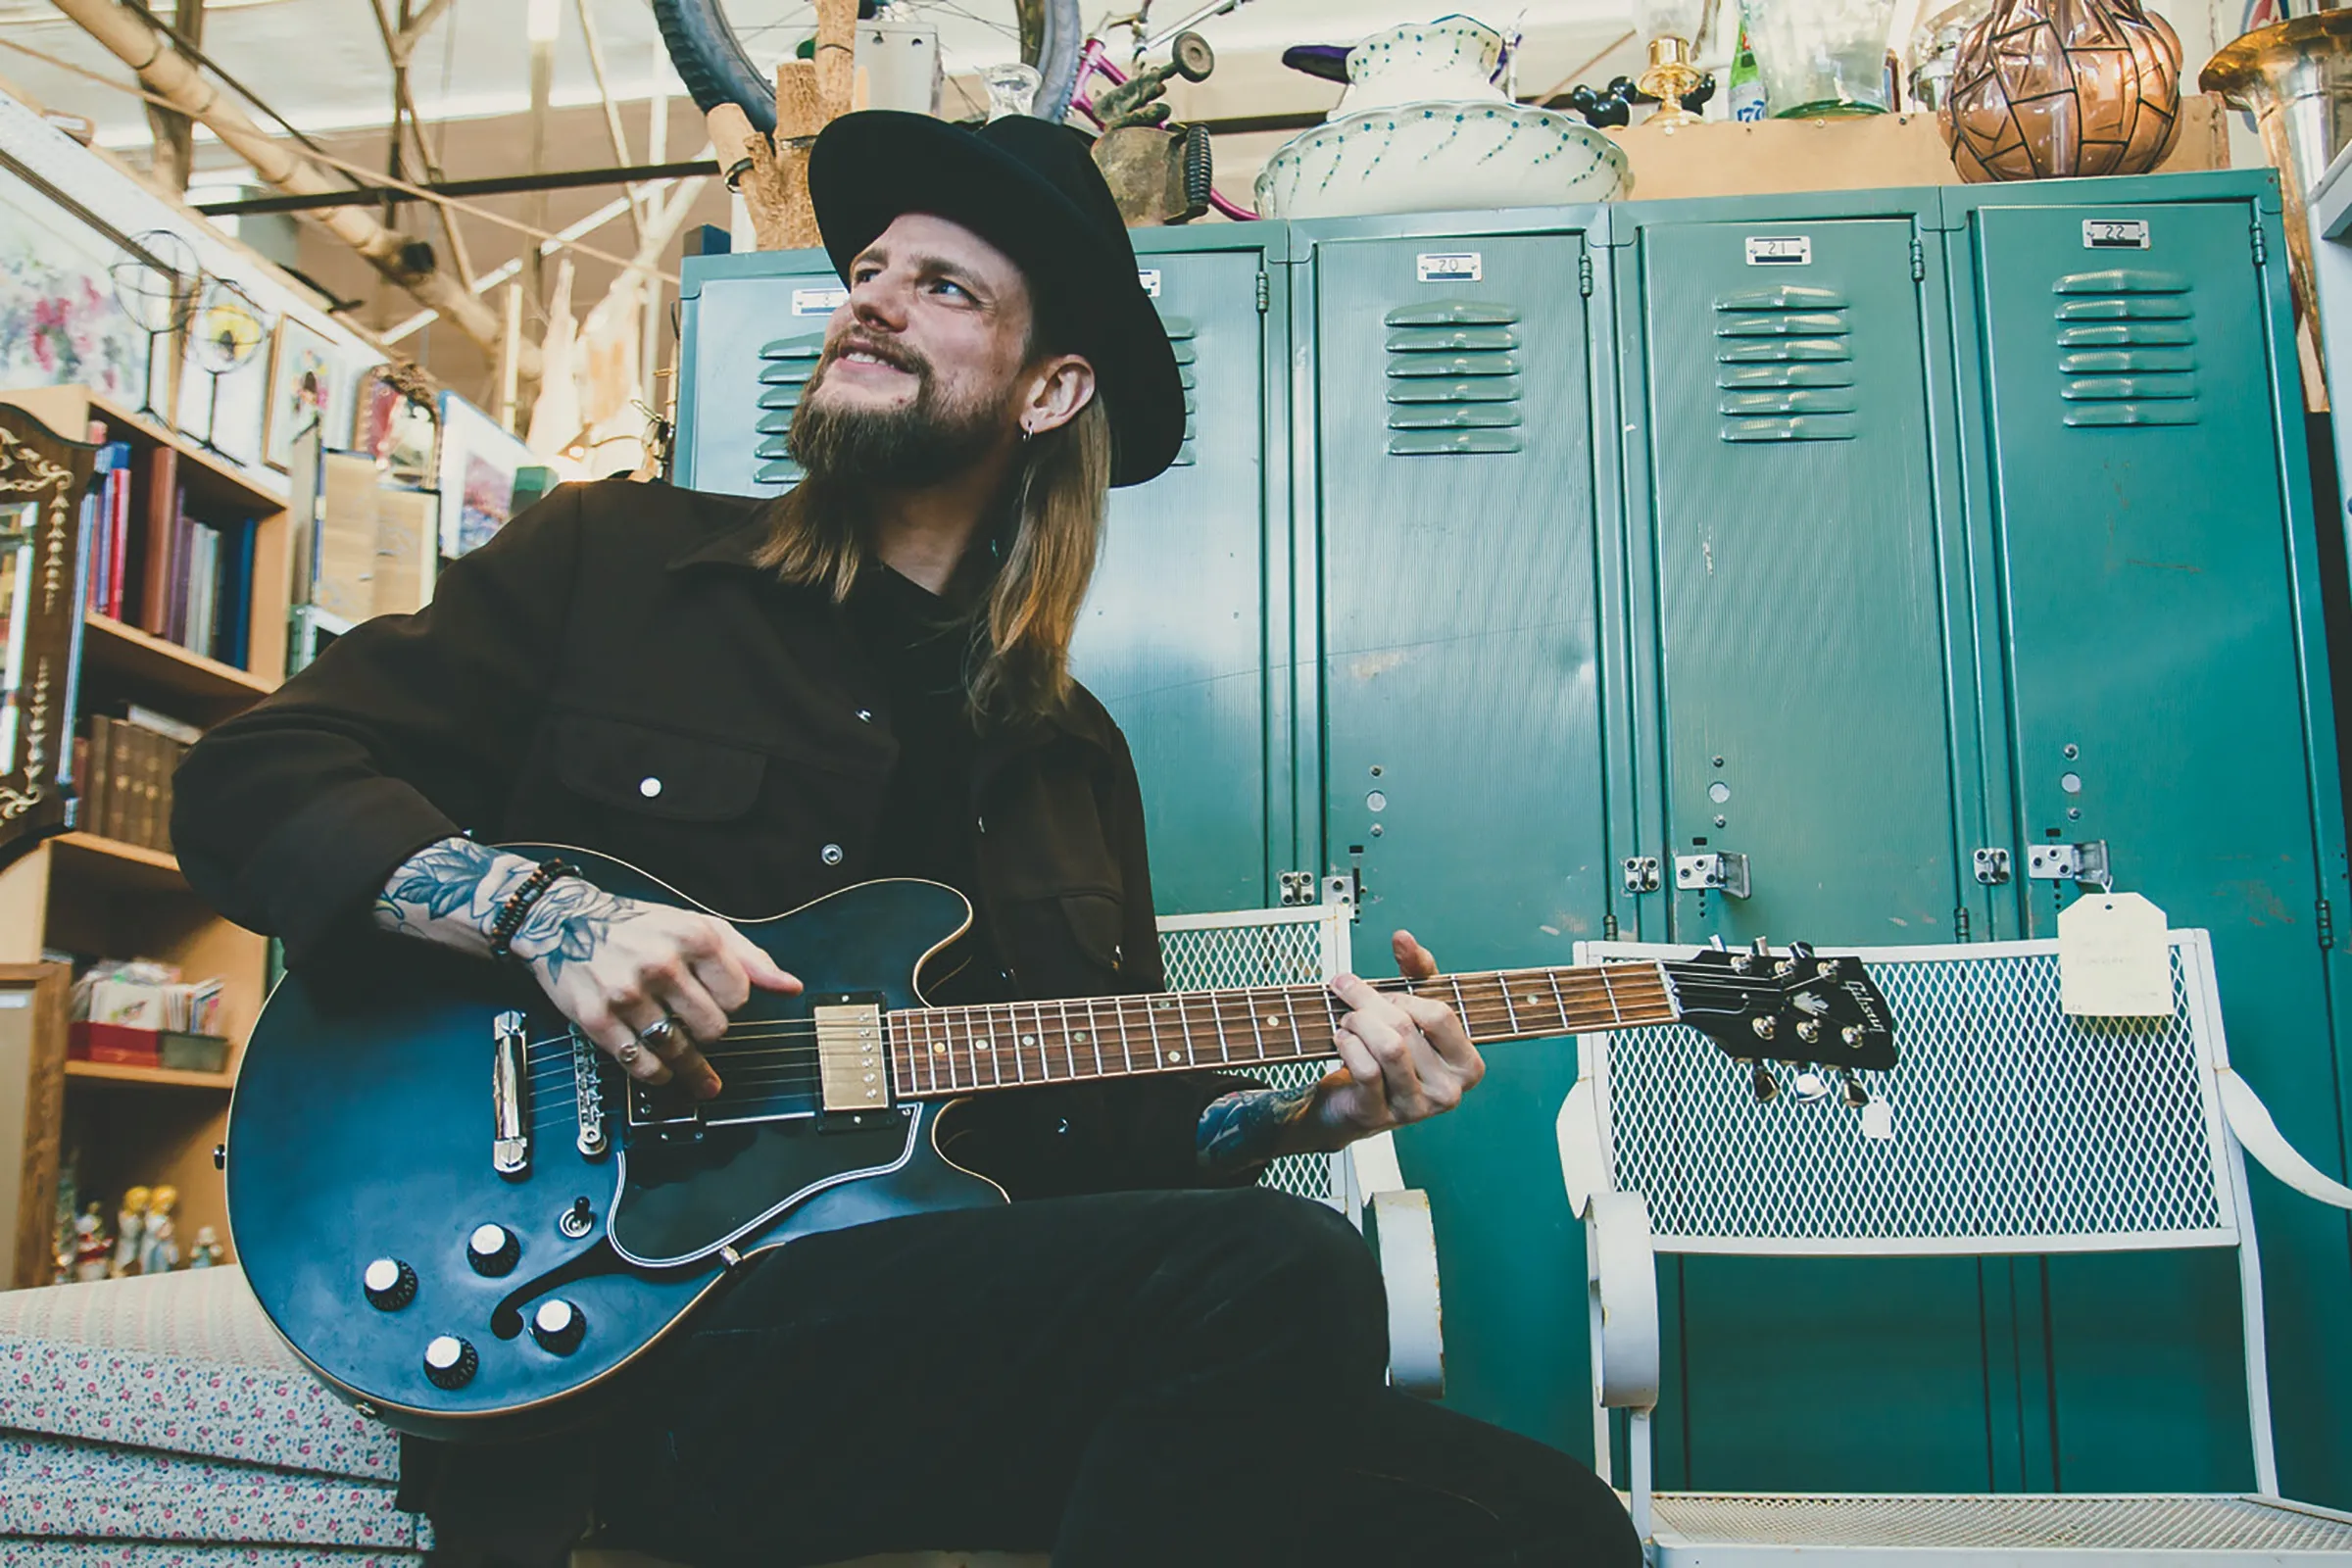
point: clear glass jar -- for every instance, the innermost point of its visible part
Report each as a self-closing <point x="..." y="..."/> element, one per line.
<point x="1821" y="57"/>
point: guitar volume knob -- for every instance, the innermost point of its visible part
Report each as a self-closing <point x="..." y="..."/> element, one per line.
<point x="557" y="1326"/>
<point x="493" y="1250"/>
<point x="389" y="1283"/>
<point x="450" y="1363"/>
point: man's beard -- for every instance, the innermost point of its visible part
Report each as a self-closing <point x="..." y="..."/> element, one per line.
<point x="908" y="446"/>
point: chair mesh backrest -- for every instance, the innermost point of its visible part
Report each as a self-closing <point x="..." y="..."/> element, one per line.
<point x="2017" y="1127"/>
<point x="1264" y="948"/>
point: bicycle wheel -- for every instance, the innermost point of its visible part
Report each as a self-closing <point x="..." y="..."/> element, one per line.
<point x="725" y="51"/>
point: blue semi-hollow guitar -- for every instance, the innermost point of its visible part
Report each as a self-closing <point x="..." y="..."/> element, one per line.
<point x="460" y="1215"/>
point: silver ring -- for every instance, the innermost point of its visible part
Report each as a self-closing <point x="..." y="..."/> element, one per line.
<point x="627" y="1053"/>
<point x="656" y="1035"/>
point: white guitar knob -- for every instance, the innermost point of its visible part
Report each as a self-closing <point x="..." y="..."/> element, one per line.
<point x="450" y="1363"/>
<point x="557" y="1326"/>
<point x="492" y="1250"/>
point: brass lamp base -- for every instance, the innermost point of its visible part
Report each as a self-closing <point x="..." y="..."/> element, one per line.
<point x="1669" y="77"/>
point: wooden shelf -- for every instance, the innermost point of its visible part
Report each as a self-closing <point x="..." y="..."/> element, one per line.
<point x="131" y="655"/>
<point x="105" y="859"/>
<point x="151" y="1077"/>
<point x="202" y="471"/>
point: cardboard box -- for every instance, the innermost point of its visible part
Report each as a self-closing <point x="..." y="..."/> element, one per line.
<point x="118" y="1044"/>
<point x="186" y="1053"/>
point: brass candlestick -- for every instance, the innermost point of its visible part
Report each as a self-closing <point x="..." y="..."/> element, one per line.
<point x="1669" y="77"/>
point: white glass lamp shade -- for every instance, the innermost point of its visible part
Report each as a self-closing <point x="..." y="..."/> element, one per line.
<point x="1668" y="18"/>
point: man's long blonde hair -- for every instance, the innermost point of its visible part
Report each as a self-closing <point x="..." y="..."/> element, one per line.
<point x="1047" y="531"/>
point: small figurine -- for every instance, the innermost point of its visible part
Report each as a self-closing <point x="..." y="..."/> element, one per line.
<point x="207" y="1251"/>
<point x="91" y="1247"/>
<point x="127" y="1225"/>
<point x="159" y="1245"/>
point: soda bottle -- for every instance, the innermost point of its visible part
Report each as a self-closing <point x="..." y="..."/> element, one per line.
<point x="1746" y="101"/>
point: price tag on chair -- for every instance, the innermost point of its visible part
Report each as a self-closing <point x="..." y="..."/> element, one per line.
<point x="2112" y="961"/>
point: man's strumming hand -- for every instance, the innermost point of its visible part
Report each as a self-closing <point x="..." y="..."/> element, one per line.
<point x="614" y="966"/>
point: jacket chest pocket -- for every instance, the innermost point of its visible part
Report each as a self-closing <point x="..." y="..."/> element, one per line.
<point x="654" y="773"/>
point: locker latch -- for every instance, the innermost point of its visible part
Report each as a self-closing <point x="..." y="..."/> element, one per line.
<point x="1722" y="871"/>
<point x="1992" y="867"/>
<point x="1298" y="888"/>
<point x="2082" y="864"/>
<point x="1641" y="873"/>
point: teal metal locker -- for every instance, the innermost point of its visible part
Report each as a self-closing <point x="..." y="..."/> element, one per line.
<point x="1451" y="474"/>
<point x="749" y="329"/>
<point x="1193" y="589"/>
<point x="2152" y="651"/>
<point x="1793" y="532"/>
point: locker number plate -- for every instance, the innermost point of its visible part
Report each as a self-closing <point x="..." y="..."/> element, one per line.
<point x="1780" y="250"/>
<point x="818" y="301"/>
<point x="2115" y="233"/>
<point x="1458" y="267"/>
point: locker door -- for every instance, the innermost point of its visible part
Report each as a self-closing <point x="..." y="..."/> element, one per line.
<point x="753" y="327"/>
<point x="1460" y="688"/>
<point x="2157" y="697"/>
<point x="1796" y="527"/>
<point x="1174" y="634"/>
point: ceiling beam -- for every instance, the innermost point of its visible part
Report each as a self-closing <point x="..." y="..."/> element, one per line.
<point x="503" y="185"/>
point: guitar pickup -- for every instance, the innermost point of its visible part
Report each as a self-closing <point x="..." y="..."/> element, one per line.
<point x="511" y="1094"/>
<point x="852" y="1062"/>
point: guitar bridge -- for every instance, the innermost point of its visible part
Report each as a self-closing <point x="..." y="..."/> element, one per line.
<point x="588" y="1096"/>
<point x="511" y="1094"/>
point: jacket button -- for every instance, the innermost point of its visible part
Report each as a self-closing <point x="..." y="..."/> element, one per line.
<point x="866" y="715"/>
<point x="830" y="855"/>
<point x="649" y="786"/>
<point x="980" y="823"/>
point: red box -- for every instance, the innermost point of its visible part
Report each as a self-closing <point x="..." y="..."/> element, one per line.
<point x="113" y="1043"/>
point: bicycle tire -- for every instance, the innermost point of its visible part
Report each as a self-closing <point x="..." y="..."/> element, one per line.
<point x="710" y="60"/>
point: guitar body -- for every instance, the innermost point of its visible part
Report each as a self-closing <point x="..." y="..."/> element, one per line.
<point x="361" y="1129"/>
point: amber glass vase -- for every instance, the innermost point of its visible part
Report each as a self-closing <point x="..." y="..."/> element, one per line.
<point x="2042" y="89"/>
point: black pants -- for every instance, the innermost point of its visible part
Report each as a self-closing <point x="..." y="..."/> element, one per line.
<point x="1128" y="1380"/>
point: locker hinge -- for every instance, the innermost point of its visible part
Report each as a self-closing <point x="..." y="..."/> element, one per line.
<point x="2327" y="925"/>
<point x="1584" y="274"/>
<point x="2261" y="251"/>
<point x="1609" y="928"/>
<point x="1960" y="923"/>
<point x="1265" y="293"/>
<point x="1919" y="261"/>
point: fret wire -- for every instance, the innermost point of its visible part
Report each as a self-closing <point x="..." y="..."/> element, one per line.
<point x="1510" y="1010"/>
<point x="1552" y="976"/>
<point x="1151" y="1012"/>
<point x="1068" y="1054"/>
<point x="1216" y="1011"/>
<point x="1610" y="986"/>
<point x="1012" y="1039"/>
<point x="1037" y="1023"/>
<point x="945" y="1055"/>
<point x="1126" y="1052"/>
<point x="996" y="1059"/>
<point x="1256" y="1033"/>
<point x="921" y="1042"/>
<point x="1289" y="1013"/>
<point x="1094" y="1035"/>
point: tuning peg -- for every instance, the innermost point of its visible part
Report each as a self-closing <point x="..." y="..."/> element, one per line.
<point x="1716" y="941"/>
<point x="1801" y="951"/>
<point x="1856" y="1096"/>
<point x="1811" y="1087"/>
<point x="1762" y="1084"/>
<point x="1877" y="1121"/>
<point x="1760" y="947"/>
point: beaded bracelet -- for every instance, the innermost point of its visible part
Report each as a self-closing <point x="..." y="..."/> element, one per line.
<point x="518" y="903"/>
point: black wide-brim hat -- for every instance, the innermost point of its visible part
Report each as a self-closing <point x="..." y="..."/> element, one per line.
<point x="1031" y="189"/>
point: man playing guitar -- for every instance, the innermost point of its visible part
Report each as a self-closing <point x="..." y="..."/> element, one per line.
<point x="1145" y="1359"/>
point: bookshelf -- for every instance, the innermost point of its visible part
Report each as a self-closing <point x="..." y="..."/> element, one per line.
<point x="83" y="893"/>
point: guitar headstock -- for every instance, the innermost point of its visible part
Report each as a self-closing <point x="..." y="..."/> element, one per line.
<point x="1793" y="1006"/>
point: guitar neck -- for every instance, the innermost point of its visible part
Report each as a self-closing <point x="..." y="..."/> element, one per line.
<point x="936" y="1053"/>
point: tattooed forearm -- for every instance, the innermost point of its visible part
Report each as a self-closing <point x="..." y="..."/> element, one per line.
<point x="1251" y="1127"/>
<point x="448" y="892"/>
<point x="567" y="924"/>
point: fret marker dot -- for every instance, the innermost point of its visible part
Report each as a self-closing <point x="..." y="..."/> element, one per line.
<point x="1273" y="1020"/>
<point x="1028" y="1040"/>
<point x="1079" y="1037"/>
<point x="985" y="1043"/>
<point x="1172" y="1057"/>
<point x="939" y="1050"/>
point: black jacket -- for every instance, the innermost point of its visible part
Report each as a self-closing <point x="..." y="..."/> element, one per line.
<point x="618" y="634"/>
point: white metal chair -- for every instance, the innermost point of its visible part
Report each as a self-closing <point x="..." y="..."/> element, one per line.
<point x="1303" y="946"/>
<point x="1664" y="1149"/>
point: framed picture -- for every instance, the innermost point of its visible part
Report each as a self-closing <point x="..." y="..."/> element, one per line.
<point x="301" y="373"/>
<point x="480" y="460"/>
<point x="32" y="1110"/>
<point x="396" y="421"/>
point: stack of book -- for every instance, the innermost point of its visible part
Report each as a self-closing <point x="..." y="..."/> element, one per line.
<point x="140" y="1013"/>
<point x="126" y="765"/>
<point x="154" y="564"/>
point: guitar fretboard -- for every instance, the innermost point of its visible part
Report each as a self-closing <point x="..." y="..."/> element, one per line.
<point x="936" y="1051"/>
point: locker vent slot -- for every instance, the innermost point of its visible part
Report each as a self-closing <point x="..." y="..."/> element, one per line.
<point x="1180" y="332"/>
<point x="1453" y="380"/>
<point x="1784" y="364"/>
<point x="2127" y="348"/>
<point x="785" y="365"/>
